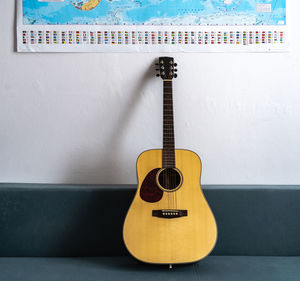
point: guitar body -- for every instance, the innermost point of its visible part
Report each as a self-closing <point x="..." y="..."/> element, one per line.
<point x="182" y="228"/>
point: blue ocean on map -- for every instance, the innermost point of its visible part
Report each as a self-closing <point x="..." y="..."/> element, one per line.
<point x="154" y="12"/>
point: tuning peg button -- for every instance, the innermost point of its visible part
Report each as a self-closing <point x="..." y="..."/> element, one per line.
<point x="175" y="75"/>
<point x="157" y="75"/>
<point x="175" y="70"/>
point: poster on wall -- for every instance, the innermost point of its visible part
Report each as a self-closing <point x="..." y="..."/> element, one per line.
<point x="152" y="25"/>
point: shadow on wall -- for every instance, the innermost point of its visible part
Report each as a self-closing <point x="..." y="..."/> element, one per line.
<point x="15" y="46"/>
<point x="83" y="170"/>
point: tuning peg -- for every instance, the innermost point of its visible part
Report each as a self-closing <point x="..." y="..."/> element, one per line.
<point x="175" y="75"/>
<point x="157" y="64"/>
<point x="175" y="64"/>
<point x="157" y="69"/>
<point x="175" y="69"/>
<point x="157" y="75"/>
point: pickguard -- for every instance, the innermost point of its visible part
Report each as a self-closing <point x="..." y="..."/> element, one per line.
<point x="150" y="191"/>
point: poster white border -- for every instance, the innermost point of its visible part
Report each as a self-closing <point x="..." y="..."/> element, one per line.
<point x="110" y="46"/>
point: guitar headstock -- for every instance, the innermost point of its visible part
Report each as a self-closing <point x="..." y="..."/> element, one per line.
<point x="167" y="68"/>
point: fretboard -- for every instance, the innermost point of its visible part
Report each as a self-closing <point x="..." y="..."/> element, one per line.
<point x="168" y="155"/>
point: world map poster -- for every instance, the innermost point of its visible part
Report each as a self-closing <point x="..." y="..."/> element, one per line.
<point x="151" y="25"/>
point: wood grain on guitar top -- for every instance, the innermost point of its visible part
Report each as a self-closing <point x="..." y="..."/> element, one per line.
<point x="177" y="240"/>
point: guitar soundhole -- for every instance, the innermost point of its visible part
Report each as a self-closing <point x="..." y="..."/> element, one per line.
<point x="169" y="179"/>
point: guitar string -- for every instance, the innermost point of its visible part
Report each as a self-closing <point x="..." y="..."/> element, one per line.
<point x="174" y="174"/>
<point x="165" y="153"/>
<point x="169" y="92"/>
<point x="172" y="141"/>
<point x="173" y="156"/>
<point x="170" y="174"/>
<point x="165" y="159"/>
<point x="170" y="152"/>
<point x="167" y="137"/>
<point x="166" y="93"/>
<point x="168" y="142"/>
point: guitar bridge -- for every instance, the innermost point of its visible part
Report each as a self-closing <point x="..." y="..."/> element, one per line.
<point x="169" y="214"/>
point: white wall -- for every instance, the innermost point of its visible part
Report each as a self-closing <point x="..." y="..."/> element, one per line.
<point x="84" y="118"/>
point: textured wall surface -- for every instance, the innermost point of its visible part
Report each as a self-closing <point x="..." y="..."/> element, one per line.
<point x="84" y="118"/>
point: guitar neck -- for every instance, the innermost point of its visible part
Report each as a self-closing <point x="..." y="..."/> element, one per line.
<point x="168" y="154"/>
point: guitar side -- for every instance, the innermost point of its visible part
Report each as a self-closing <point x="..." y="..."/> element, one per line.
<point x="170" y="240"/>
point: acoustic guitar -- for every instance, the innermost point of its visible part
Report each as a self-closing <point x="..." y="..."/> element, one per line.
<point x="169" y="220"/>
